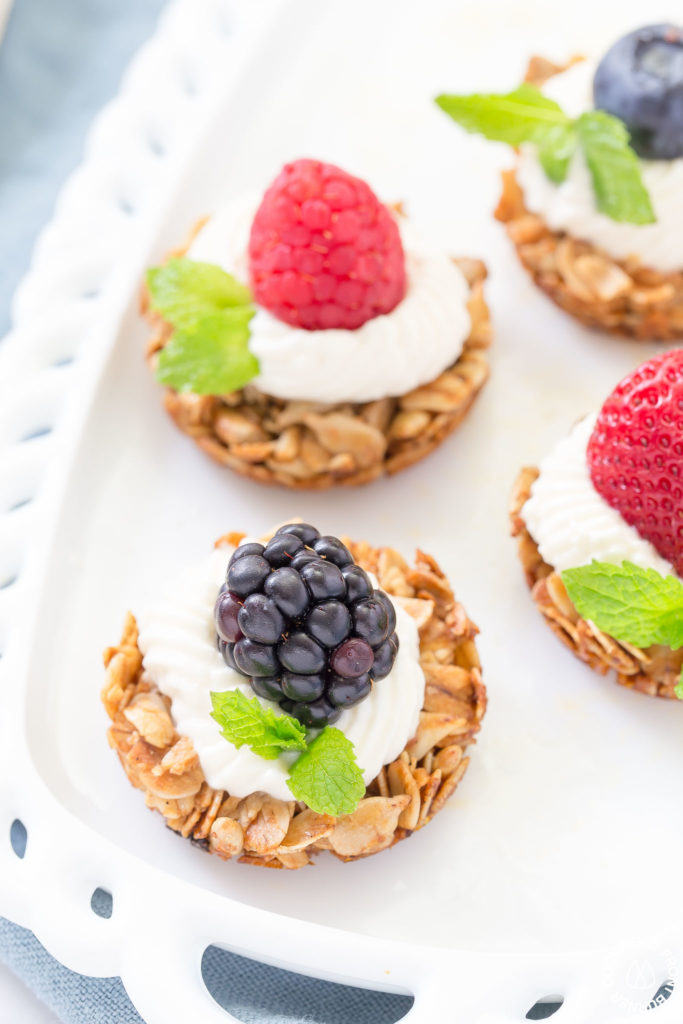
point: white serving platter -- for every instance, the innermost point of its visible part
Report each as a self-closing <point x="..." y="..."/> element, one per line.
<point x="554" y="870"/>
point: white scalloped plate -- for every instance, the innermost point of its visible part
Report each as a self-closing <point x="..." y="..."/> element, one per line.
<point x="564" y="834"/>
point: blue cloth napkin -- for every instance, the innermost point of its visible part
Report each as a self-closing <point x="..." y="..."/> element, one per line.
<point x="60" y="61"/>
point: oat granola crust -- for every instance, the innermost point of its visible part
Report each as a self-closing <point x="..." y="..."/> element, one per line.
<point x="259" y="829"/>
<point x="313" y="446"/>
<point x="619" y="296"/>
<point x="653" y="670"/>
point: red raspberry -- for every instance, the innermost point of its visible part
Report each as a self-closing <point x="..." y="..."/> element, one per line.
<point x="324" y="252"/>
<point x="635" y="453"/>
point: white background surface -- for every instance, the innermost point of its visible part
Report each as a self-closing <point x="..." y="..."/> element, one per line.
<point x="528" y="833"/>
<point x="18" y="1005"/>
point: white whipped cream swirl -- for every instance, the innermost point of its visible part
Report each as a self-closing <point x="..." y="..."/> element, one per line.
<point x="572" y="523"/>
<point x="571" y="207"/>
<point x="178" y="643"/>
<point x="387" y="356"/>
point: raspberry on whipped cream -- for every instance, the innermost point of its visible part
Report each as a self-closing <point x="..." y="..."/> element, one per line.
<point x="310" y="336"/>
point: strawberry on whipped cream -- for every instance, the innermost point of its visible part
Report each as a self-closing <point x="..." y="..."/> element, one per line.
<point x="612" y="490"/>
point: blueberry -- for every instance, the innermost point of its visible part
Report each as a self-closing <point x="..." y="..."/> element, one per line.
<point x="247" y="575"/>
<point x="329" y="623"/>
<point x="323" y="580"/>
<point x="282" y="549"/>
<point x="344" y="693"/>
<point x="260" y="619"/>
<point x="640" y="80"/>
<point x="315" y="715"/>
<point x="303" y="688"/>
<point x="268" y="687"/>
<point x="333" y="550"/>
<point x="385" y="656"/>
<point x="225" y="613"/>
<point x="301" y="654"/>
<point x="388" y="606"/>
<point x="357" y="581"/>
<point x="288" y="591"/>
<point x="351" y="659"/>
<point x="371" y="621"/>
<point x="305" y="531"/>
<point x="252" y="548"/>
<point x="254" y="659"/>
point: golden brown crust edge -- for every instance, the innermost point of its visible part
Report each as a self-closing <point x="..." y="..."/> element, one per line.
<point x="259" y="829"/>
<point x="653" y="671"/>
<point x="618" y="296"/>
<point x="312" y="446"/>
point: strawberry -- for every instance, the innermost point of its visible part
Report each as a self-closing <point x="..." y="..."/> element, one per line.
<point x="635" y="453"/>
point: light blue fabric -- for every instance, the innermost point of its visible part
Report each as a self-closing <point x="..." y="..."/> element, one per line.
<point x="61" y="60"/>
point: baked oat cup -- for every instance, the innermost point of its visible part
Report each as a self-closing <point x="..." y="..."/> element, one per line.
<point x="595" y="214"/>
<point x="598" y="535"/>
<point x="257" y="827"/>
<point x="361" y="378"/>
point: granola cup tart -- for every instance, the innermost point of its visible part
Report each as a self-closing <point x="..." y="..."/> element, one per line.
<point x="357" y="347"/>
<point x="654" y="671"/>
<point x="259" y="829"/>
<point x="623" y="297"/>
<point x="313" y="446"/>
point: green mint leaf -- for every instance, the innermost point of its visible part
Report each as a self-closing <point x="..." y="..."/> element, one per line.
<point x="326" y="777"/>
<point x="556" y="150"/>
<point x="183" y="291"/>
<point x="615" y="169"/>
<point x="523" y="115"/>
<point x="247" y="721"/>
<point x="212" y="356"/>
<point x="208" y="352"/>
<point x="638" y="606"/>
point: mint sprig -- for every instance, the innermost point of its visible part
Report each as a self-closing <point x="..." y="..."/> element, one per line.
<point x="208" y="352"/>
<point x="523" y="115"/>
<point x="639" y="606"/>
<point x="247" y="721"/>
<point x="527" y="115"/>
<point x="634" y="605"/>
<point x="327" y="777"/>
<point x="615" y="169"/>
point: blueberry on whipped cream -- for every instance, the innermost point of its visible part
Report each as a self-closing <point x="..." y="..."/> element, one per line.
<point x="640" y="81"/>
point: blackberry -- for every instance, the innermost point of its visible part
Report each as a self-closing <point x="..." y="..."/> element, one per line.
<point x="304" y="624"/>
